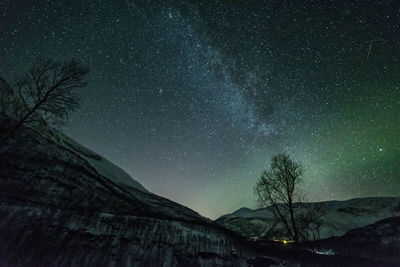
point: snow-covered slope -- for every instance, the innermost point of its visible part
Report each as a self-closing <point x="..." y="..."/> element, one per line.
<point x="100" y="164"/>
<point x="340" y="217"/>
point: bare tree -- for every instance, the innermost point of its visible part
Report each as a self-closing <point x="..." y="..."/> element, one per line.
<point x="46" y="94"/>
<point x="278" y="188"/>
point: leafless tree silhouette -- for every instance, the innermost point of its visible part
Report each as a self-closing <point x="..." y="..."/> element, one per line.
<point x="278" y="188"/>
<point x="45" y="95"/>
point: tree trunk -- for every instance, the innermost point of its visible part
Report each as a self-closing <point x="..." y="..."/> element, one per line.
<point x="295" y="232"/>
<point x="284" y="220"/>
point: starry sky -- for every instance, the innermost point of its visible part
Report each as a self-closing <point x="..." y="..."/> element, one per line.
<point x="192" y="98"/>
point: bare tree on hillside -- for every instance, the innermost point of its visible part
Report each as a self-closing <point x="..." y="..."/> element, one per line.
<point x="45" y="95"/>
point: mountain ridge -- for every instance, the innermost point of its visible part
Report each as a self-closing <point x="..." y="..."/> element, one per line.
<point x="340" y="217"/>
<point x="244" y="208"/>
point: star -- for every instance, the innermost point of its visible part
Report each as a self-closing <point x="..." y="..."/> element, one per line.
<point x="192" y="99"/>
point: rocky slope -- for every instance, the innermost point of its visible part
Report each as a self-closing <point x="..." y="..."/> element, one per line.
<point x="380" y="240"/>
<point x="63" y="205"/>
<point x="340" y="217"/>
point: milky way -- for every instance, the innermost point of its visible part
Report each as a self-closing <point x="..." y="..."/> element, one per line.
<point x="192" y="99"/>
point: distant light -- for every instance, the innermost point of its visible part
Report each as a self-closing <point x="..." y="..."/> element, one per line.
<point x="285" y="242"/>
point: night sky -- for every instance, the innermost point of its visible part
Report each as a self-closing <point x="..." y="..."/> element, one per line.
<point x="193" y="98"/>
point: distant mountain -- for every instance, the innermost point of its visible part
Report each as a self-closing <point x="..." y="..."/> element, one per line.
<point x="340" y="217"/>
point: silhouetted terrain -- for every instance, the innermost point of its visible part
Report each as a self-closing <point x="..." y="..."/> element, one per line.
<point x="64" y="205"/>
